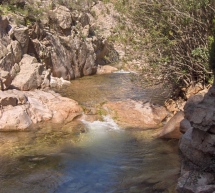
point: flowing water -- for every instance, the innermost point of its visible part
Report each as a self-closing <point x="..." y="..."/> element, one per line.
<point x="90" y="157"/>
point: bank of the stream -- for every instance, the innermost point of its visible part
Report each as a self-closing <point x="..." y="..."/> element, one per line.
<point x="93" y="156"/>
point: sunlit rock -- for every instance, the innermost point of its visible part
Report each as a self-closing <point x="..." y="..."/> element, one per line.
<point x="132" y="114"/>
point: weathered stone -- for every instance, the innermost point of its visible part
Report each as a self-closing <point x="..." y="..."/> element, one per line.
<point x="38" y="111"/>
<point x="58" y="82"/>
<point x="194" y="181"/>
<point x="15" y="70"/>
<point x="7" y="62"/>
<point x="106" y="69"/>
<point x="27" y="59"/>
<point x="3" y="51"/>
<point x="85" y="32"/>
<point x="22" y="98"/>
<point x="84" y="19"/>
<point x="206" y="189"/>
<point x="29" y="76"/>
<point x="191" y="148"/>
<point x="192" y="101"/>
<point x="63" y="16"/>
<point x="46" y="76"/>
<point x="16" y="49"/>
<point x="5" y="79"/>
<point x="172" y="128"/>
<point x="9" y="100"/>
<point x="192" y="90"/>
<point x="3" y="25"/>
<point x="198" y="115"/>
<point x="132" y="114"/>
<point x="34" y="108"/>
<point x="21" y="35"/>
<point x="15" y="118"/>
<point x="184" y="126"/>
<point x="60" y="59"/>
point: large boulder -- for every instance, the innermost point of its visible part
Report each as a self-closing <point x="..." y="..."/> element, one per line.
<point x="9" y="55"/>
<point x="62" y="16"/>
<point x="27" y="110"/>
<point x="30" y="75"/>
<point x="71" y="57"/>
<point x="15" y="118"/>
<point x="61" y="58"/>
<point x="7" y="62"/>
<point x="172" y="128"/>
<point x="21" y="35"/>
<point x="15" y="48"/>
<point x="132" y="114"/>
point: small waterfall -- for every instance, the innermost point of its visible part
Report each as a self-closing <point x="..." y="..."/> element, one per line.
<point x="106" y="125"/>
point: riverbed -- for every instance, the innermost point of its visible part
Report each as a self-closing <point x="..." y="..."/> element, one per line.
<point x="91" y="157"/>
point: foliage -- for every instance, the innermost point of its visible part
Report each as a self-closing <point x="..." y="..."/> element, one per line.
<point x="179" y="37"/>
<point x="29" y="12"/>
<point x="176" y="38"/>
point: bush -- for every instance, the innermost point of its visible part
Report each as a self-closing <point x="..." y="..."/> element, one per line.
<point x="179" y="38"/>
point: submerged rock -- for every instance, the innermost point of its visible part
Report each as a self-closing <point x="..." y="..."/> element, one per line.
<point x="133" y="114"/>
<point x="172" y="128"/>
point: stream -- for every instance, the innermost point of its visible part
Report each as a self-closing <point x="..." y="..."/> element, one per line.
<point x="91" y="157"/>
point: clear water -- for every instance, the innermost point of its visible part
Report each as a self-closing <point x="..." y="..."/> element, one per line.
<point x="92" y="90"/>
<point x="88" y="157"/>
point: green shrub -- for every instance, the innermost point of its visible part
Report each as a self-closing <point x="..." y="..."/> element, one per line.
<point x="180" y="38"/>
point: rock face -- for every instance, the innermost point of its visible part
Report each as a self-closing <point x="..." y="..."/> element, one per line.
<point x="63" y="41"/>
<point x="197" y="144"/>
<point x="27" y="110"/>
<point x="132" y="114"/>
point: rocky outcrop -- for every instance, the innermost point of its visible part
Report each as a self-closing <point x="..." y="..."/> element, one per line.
<point x="28" y="110"/>
<point x="63" y="41"/>
<point x="132" y="114"/>
<point x="44" y="52"/>
<point x="197" y="144"/>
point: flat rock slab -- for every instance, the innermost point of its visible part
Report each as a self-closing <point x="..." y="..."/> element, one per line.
<point x="135" y="114"/>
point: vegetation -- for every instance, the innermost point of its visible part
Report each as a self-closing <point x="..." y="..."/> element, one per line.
<point x="176" y="37"/>
<point x="181" y="35"/>
<point x="20" y="8"/>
